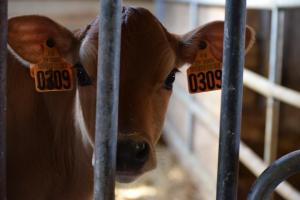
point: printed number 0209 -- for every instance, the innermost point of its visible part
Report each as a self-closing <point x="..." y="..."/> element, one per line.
<point x="205" y="81"/>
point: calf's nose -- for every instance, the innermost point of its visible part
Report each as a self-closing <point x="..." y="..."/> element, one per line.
<point x="132" y="155"/>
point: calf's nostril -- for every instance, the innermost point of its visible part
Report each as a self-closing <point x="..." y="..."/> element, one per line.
<point x="141" y="151"/>
<point x="132" y="155"/>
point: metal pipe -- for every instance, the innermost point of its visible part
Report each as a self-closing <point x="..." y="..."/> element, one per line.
<point x="264" y="87"/>
<point x="196" y="168"/>
<point x="247" y="156"/>
<point x="193" y="15"/>
<point x="160" y="10"/>
<point x="275" y="71"/>
<point x="3" y="52"/>
<point x="107" y="99"/>
<point x="231" y="104"/>
<point x="279" y="171"/>
<point x="191" y="131"/>
<point x="193" y="22"/>
<point x="252" y="4"/>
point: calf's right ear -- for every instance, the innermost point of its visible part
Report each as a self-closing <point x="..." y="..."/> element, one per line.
<point x="213" y="34"/>
<point x="28" y="34"/>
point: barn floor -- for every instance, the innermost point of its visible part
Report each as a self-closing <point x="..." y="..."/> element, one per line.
<point x="167" y="182"/>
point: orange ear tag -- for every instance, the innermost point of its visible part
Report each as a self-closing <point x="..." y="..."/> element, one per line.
<point x="205" y="73"/>
<point x="53" y="73"/>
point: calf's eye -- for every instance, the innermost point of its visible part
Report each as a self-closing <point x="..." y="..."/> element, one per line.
<point x="168" y="84"/>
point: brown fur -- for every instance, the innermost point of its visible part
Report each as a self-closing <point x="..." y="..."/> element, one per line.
<point x="51" y="135"/>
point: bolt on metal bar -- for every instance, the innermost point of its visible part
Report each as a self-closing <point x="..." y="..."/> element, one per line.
<point x="107" y="99"/>
<point x="279" y="171"/>
<point x="231" y="104"/>
<point x="275" y="69"/>
<point x="3" y="69"/>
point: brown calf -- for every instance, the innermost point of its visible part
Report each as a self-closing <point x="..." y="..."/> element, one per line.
<point x="51" y="135"/>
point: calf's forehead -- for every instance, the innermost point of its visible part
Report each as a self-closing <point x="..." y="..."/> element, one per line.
<point x="146" y="48"/>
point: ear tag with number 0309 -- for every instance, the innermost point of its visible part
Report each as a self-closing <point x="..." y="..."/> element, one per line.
<point x="205" y="73"/>
<point x="53" y="73"/>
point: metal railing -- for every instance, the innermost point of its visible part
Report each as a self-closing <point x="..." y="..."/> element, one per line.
<point x="253" y="4"/>
<point x="279" y="171"/>
<point x="269" y="88"/>
<point x="247" y="156"/>
<point x="107" y="100"/>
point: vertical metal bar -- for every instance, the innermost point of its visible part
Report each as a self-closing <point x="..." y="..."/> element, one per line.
<point x="193" y="14"/>
<point x="231" y="105"/>
<point x="160" y="10"/>
<point x="275" y="69"/>
<point x="193" y="22"/>
<point x="3" y="52"/>
<point x="107" y="99"/>
<point x="191" y="130"/>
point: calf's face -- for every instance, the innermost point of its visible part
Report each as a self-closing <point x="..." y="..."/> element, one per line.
<point x="150" y="57"/>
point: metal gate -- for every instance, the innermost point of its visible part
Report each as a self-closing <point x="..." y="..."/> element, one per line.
<point x="107" y="107"/>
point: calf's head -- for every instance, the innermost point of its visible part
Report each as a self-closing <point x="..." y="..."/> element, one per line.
<point x="150" y="57"/>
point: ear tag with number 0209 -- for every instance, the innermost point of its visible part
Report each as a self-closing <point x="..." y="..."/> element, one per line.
<point x="205" y="73"/>
<point x="53" y="73"/>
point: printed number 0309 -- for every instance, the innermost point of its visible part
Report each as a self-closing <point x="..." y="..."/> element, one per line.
<point x="205" y="80"/>
<point x="54" y="80"/>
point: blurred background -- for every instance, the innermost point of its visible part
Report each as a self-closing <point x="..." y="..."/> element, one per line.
<point x="187" y="153"/>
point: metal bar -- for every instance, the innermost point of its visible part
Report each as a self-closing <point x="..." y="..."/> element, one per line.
<point x="193" y="22"/>
<point x="191" y="131"/>
<point x="107" y="99"/>
<point x="194" y="166"/>
<point x="253" y="4"/>
<point x="279" y="171"/>
<point x="287" y="4"/>
<point x="231" y="104"/>
<point x="193" y="15"/>
<point x="247" y="156"/>
<point x="3" y="69"/>
<point x="160" y="9"/>
<point x="264" y="87"/>
<point x="275" y="71"/>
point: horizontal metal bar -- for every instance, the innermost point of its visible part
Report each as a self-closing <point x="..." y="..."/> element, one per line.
<point x="107" y="99"/>
<point x="264" y="87"/>
<point x="279" y="171"/>
<point x="3" y="70"/>
<point x="251" y="4"/>
<point x="247" y="156"/>
<point x="287" y="3"/>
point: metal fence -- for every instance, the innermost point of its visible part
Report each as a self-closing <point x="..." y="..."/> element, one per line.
<point x="270" y="88"/>
<point x="107" y="99"/>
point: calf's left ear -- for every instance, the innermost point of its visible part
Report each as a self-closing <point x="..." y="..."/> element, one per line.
<point x="213" y="34"/>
